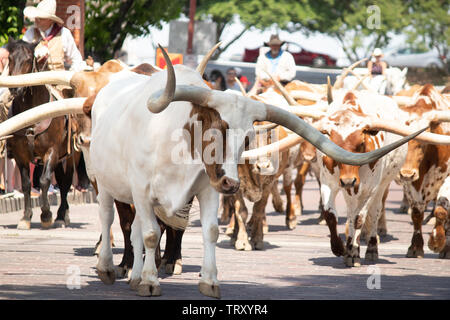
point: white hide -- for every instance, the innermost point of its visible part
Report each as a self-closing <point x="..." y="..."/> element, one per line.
<point x="373" y="182"/>
<point x="132" y="161"/>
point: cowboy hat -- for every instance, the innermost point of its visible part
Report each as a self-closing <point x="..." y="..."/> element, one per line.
<point x="377" y="52"/>
<point x="274" y="41"/>
<point x="46" y="9"/>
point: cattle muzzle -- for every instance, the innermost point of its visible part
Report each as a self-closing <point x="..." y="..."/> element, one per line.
<point x="347" y="182"/>
<point x="227" y="185"/>
<point x="409" y="175"/>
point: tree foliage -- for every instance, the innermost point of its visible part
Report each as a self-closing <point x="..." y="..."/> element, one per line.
<point x="431" y="26"/>
<point x="356" y="24"/>
<point x="11" y="19"/>
<point x="108" y="22"/>
<point x="259" y="14"/>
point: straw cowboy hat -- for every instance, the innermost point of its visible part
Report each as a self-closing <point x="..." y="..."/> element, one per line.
<point x="46" y="9"/>
<point x="274" y="41"/>
<point x="377" y="52"/>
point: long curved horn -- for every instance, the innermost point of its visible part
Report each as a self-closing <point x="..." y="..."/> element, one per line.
<point x="403" y="100"/>
<point x="39" y="113"/>
<point x="329" y="91"/>
<point x="259" y="111"/>
<point x="264" y="127"/>
<point x="340" y="79"/>
<point x="159" y="104"/>
<point x="244" y="93"/>
<point x="396" y="128"/>
<point x="290" y="100"/>
<point x="202" y="66"/>
<point x="360" y="81"/>
<point x="438" y="116"/>
<point x="37" y="79"/>
<point x="279" y="146"/>
<point x="315" y="111"/>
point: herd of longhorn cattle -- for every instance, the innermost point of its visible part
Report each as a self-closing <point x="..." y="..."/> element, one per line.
<point x="138" y="130"/>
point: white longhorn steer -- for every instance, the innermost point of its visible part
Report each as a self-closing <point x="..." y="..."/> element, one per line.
<point x="131" y="156"/>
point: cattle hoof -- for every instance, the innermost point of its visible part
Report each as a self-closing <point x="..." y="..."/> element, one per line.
<point x="209" y="290"/>
<point x="352" y="261"/>
<point x="229" y="231"/>
<point x="258" y="245"/>
<point x="403" y="209"/>
<point x="134" y="283"/>
<point x="168" y="269"/>
<point x="121" y="272"/>
<point x="291" y="223"/>
<point x="444" y="254"/>
<point x="59" y="224"/>
<point x="24" y="225"/>
<point x="107" y="277"/>
<point x="278" y="207"/>
<point x="178" y="267"/>
<point x="242" y="245"/>
<point x="415" y="253"/>
<point x="382" y="232"/>
<point x="148" y="290"/>
<point x="46" y="224"/>
<point x="162" y="264"/>
<point x="371" y="256"/>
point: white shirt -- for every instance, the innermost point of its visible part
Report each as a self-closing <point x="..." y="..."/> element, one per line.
<point x="284" y="66"/>
<point x="72" y="55"/>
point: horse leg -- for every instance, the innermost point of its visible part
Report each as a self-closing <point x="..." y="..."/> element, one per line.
<point x="64" y="180"/>
<point x="25" y="222"/>
<point x="50" y="163"/>
<point x="173" y="251"/>
<point x="126" y="217"/>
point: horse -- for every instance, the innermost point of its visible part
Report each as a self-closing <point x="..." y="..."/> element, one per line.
<point x="44" y="143"/>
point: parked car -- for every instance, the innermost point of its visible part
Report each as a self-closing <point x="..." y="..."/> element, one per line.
<point x="409" y="57"/>
<point x="301" y="56"/>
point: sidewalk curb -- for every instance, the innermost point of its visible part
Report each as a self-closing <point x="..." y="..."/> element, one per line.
<point x="16" y="203"/>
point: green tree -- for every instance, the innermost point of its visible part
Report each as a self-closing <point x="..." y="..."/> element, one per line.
<point x="108" y="22"/>
<point x="11" y="19"/>
<point x="430" y="21"/>
<point x="259" y="14"/>
<point x="359" y="25"/>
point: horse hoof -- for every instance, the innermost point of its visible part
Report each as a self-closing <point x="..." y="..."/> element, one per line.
<point x="46" y="224"/>
<point x="168" y="268"/>
<point x="148" y="290"/>
<point x="24" y="225"/>
<point x="209" y="290"/>
<point x="107" y="277"/>
<point x="59" y="224"/>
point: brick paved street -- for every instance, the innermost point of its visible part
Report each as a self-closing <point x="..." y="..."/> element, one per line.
<point x="298" y="264"/>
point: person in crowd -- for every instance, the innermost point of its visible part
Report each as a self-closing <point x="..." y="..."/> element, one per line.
<point x="279" y="63"/>
<point x="218" y="80"/>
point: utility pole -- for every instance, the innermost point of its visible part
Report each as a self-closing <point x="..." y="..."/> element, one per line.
<point x="192" y="8"/>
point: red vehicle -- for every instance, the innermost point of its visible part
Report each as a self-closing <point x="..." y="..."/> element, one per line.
<point x="301" y="56"/>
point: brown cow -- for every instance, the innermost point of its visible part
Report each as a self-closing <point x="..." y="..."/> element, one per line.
<point x="426" y="166"/>
<point x="256" y="185"/>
